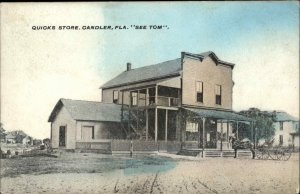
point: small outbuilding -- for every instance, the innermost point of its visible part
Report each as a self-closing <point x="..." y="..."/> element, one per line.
<point x="78" y="124"/>
<point x="10" y="138"/>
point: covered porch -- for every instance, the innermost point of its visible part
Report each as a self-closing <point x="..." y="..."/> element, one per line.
<point x="210" y="129"/>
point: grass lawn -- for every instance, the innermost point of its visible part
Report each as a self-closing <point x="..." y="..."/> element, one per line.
<point x="83" y="163"/>
<point x="96" y="173"/>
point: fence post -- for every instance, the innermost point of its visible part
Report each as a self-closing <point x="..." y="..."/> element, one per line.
<point x="131" y="148"/>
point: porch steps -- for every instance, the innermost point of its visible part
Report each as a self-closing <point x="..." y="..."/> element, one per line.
<point x="189" y="152"/>
<point x="215" y="153"/>
<point x="96" y="151"/>
<point x="227" y="153"/>
<point x="244" y="154"/>
<point x="212" y="153"/>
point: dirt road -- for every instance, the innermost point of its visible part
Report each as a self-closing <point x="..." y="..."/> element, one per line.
<point x="210" y="175"/>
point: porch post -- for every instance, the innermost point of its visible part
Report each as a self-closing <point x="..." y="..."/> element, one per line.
<point x="156" y="95"/>
<point x="122" y="107"/>
<point x="227" y="136"/>
<point x="147" y="97"/>
<point x="237" y="130"/>
<point x="146" y="104"/>
<point x="203" y="133"/>
<point x="221" y="135"/>
<point x="129" y="111"/>
<point x="255" y="138"/>
<point x="147" y="124"/>
<point x="137" y="111"/>
<point x="166" y="126"/>
<point x="138" y="97"/>
<point x="156" y="124"/>
<point x="252" y="131"/>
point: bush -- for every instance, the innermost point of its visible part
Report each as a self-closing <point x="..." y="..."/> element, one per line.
<point x="42" y="147"/>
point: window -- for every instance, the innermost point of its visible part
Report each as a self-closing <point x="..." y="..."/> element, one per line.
<point x="133" y="98"/>
<point x="115" y="96"/>
<point x="192" y="133"/>
<point x="218" y="91"/>
<point x="280" y="139"/>
<point x="93" y="133"/>
<point x="87" y="132"/>
<point x="191" y="126"/>
<point x="281" y="125"/>
<point x="199" y="91"/>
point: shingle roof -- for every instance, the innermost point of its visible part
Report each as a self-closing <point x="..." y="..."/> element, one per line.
<point x="283" y="116"/>
<point x="156" y="71"/>
<point x="219" y="114"/>
<point x="88" y="110"/>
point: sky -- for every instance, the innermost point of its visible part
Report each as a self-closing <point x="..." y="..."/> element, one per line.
<point x="38" y="67"/>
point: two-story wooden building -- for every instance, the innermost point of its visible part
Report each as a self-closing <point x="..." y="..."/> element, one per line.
<point x="186" y="100"/>
<point x="286" y="130"/>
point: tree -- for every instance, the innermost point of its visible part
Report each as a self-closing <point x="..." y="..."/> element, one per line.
<point x="2" y="131"/>
<point x="263" y="122"/>
<point x="46" y="140"/>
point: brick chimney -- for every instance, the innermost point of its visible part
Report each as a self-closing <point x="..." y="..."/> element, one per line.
<point x="128" y="67"/>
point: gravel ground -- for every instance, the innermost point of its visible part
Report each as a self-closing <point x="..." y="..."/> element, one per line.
<point x="175" y="175"/>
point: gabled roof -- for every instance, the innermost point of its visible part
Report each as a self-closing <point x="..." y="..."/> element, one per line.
<point x="283" y="116"/>
<point x="160" y="70"/>
<point x="88" y="110"/>
<point x="157" y="71"/>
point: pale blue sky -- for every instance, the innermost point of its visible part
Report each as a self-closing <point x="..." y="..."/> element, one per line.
<point x="223" y="27"/>
<point x="39" y="67"/>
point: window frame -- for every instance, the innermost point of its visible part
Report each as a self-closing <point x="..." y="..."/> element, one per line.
<point x="280" y="139"/>
<point x="191" y="131"/>
<point x="116" y="100"/>
<point x="134" y="98"/>
<point x="281" y="125"/>
<point x="218" y="97"/>
<point x="92" y="131"/>
<point x="199" y="92"/>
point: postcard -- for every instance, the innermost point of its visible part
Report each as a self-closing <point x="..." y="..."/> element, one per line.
<point x="150" y="97"/>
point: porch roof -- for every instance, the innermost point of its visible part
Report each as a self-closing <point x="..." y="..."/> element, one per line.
<point x="218" y="114"/>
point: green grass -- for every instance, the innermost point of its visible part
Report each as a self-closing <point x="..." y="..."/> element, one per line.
<point x="84" y="163"/>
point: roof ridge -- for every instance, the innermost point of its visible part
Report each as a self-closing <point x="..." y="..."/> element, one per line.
<point x="87" y="101"/>
<point x="153" y="64"/>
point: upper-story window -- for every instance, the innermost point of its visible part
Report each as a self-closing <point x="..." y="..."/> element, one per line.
<point x="133" y="98"/>
<point x="199" y="91"/>
<point x="218" y="92"/>
<point x="281" y="125"/>
<point x="115" y="96"/>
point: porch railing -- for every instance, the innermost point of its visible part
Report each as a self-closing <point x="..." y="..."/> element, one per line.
<point x="167" y="101"/>
<point x="162" y="101"/>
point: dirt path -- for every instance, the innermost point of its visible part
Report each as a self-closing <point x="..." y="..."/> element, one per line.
<point x="213" y="175"/>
